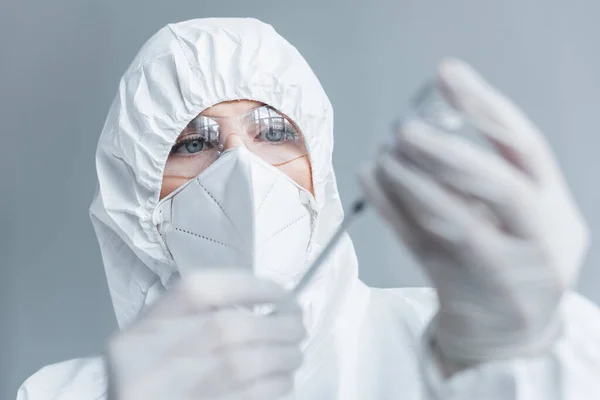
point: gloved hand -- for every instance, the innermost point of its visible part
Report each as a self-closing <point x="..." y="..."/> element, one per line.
<point x="500" y="270"/>
<point x="193" y="344"/>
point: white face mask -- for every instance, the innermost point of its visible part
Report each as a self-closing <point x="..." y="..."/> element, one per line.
<point x="239" y="212"/>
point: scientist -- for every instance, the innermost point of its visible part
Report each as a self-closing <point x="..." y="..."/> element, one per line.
<point x="215" y="160"/>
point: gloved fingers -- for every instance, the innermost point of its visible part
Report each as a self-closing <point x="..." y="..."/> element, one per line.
<point x="401" y="222"/>
<point x="497" y="117"/>
<point x="270" y="388"/>
<point x="231" y="328"/>
<point x="474" y="173"/>
<point x="440" y="214"/>
<point x="175" y="378"/>
<point x="221" y="375"/>
<point x="238" y="369"/>
<point x="210" y="289"/>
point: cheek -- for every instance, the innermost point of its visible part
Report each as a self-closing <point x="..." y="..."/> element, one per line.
<point x="177" y="172"/>
<point x="169" y="184"/>
<point x="299" y="170"/>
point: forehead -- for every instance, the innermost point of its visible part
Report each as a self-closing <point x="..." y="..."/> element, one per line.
<point x="230" y="108"/>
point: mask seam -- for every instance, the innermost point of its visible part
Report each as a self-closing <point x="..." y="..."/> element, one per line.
<point x="221" y="207"/>
<point x="210" y="240"/>
<point x="285" y="227"/>
<point x="264" y="200"/>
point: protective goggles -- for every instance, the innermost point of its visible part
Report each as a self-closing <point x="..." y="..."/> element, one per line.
<point x="263" y="130"/>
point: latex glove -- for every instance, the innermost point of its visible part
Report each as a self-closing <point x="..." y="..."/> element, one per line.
<point x="500" y="270"/>
<point x="192" y="344"/>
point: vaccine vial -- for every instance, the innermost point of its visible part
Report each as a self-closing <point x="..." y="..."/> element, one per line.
<point x="429" y="105"/>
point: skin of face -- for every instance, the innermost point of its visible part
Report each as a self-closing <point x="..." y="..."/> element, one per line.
<point x="180" y="168"/>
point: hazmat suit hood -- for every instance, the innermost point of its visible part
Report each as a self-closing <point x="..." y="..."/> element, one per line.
<point x="182" y="70"/>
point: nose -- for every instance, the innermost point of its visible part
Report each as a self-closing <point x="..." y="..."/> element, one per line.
<point x="233" y="141"/>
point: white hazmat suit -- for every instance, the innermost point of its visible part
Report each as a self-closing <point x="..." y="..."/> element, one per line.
<point x="376" y="342"/>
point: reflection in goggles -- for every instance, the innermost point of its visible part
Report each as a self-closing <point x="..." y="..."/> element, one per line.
<point x="263" y="131"/>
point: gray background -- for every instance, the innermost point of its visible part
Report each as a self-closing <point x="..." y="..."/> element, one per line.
<point x="60" y="62"/>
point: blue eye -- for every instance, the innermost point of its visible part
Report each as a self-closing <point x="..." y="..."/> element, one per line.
<point x="189" y="146"/>
<point x="274" y="135"/>
<point x="277" y="134"/>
